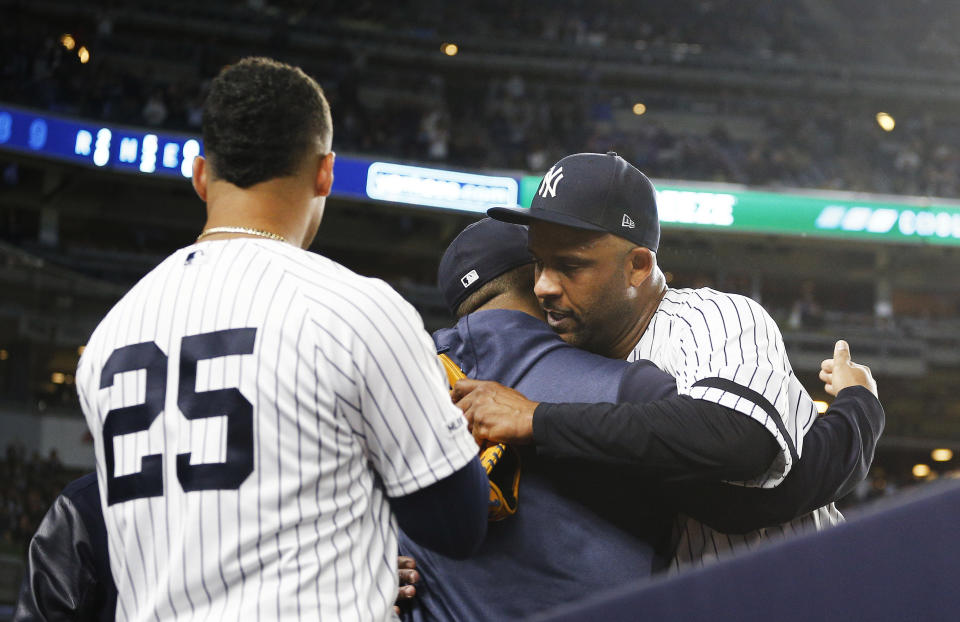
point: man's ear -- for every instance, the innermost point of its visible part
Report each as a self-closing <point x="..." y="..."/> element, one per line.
<point x="199" y="179"/>
<point x="324" y="182"/>
<point x="641" y="262"/>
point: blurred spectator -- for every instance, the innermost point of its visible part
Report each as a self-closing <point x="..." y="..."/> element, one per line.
<point x="27" y="488"/>
<point x="155" y="111"/>
<point x="806" y="312"/>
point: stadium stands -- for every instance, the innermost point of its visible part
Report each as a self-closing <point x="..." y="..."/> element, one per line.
<point x="532" y="84"/>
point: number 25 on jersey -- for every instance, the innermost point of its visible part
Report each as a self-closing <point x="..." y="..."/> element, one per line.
<point x="229" y="403"/>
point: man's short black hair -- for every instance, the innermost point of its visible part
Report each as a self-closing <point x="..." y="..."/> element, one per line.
<point x="261" y="118"/>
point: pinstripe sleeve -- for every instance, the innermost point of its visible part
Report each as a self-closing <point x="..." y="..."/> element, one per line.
<point x="415" y="436"/>
<point x="731" y="353"/>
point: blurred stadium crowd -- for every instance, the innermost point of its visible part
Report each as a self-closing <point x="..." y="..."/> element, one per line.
<point x="28" y="484"/>
<point x="394" y="106"/>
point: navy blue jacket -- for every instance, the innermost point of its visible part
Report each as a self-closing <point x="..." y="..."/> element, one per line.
<point x="585" y="525"/>
<point x="577" y="530"/>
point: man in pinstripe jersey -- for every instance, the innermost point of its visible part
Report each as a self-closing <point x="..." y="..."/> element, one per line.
<point x="594" y="232"/>
<point x="263" y="418"/>
<point x="604" y="507"/>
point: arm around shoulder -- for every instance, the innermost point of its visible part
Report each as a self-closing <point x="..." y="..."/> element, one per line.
<point x="837" y="454"/>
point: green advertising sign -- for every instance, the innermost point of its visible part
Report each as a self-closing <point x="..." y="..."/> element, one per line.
<point x="799" y="214"/>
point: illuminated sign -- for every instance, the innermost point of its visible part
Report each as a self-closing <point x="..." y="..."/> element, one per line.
<point x="920" y="223"/>
<point x="837" y="215"/>
<point x="149" y="153"/>
<point x="417" y="185"/>
<point x="720" y="208"/>
<point x="103" y="146"/>
<point x="696" y="208"/>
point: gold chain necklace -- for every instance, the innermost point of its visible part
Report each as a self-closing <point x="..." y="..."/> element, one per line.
<point x="246" y="230"/>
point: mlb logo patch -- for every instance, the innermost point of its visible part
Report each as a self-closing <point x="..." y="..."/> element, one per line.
<point x="469" y="278"/>
<point x="193" y="256"/>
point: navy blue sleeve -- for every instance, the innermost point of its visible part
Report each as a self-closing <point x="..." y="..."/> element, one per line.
<point x="837" y="454"/>
<point x="644" y="382"/>
<point x="449" y="516"/>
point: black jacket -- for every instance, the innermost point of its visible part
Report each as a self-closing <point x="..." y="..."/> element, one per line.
<point x="68" y="571"/>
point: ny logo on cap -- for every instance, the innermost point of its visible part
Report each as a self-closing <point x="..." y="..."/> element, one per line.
<point x="549" y="184"/>
<point x="628" y="222"/>
<point x="469" y="278"/>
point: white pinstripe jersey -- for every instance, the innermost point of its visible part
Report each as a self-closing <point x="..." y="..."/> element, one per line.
<point x="252" y="407"/>
<point x="725" y="348"/>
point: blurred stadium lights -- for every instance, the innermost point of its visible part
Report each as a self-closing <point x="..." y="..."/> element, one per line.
<point x="4" y="355"/>
<point x="921" y="470"/>
<point x="941" y="455"/>
<point x="57" y="377"/>
<point x="68" y="42"/>
<point x="80" y="350"/>
<point x="639" y="108"/>
<point x="886" y="122"/>
<point x="821" y="406"/>
<point x="84" y="54"/>
<point x="450" y="49"/>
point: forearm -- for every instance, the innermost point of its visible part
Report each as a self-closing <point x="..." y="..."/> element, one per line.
<point x="676" y="439"/>
<point x="837" y="454"/>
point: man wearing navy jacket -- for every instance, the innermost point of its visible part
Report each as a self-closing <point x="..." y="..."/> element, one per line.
<point x="603" y="519"/>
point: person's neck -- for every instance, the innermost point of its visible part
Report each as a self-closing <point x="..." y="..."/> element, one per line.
<point x="267" y="207"/>
<point x="513" y="302"/>
<point x="654" y="290"/>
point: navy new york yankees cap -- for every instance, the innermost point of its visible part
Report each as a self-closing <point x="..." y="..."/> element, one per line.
<point x="594" y="191"/>
<point x="481" y="252"/>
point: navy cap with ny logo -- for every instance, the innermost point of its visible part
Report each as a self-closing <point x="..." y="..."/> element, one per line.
<point x="595" y="191"/>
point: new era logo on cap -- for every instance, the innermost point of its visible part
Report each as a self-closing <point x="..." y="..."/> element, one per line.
<point x="469" y="278"/>
<point x="628" y="222"/>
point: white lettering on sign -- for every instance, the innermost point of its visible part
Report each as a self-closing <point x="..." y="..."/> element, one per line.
<point x="148" y="157"/>
<point x="101" y="148"/>
<point x="171" y="153"/>
<point x="908" y="222"/>
<point x="128" y="149"/>
<point x="83" y="143"/>
<point x="191" y="149"/>
<point x="696" y="208"/>
<point x="439" y="188"/>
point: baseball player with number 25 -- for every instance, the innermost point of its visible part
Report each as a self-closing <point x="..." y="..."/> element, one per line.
<point x="263" y="418"/>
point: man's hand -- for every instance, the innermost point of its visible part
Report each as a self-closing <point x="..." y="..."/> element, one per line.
<point x="840" y="372"/>
<point x="495" y="412"/>
<point x="408" y="578"/>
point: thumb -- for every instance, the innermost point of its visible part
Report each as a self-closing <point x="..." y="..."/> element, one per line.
<point x="463" y="387"/>
<point x="841" y="353"/>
